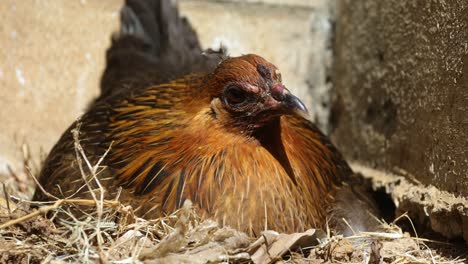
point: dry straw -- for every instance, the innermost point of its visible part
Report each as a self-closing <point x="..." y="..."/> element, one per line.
<point x="111" y="233"/>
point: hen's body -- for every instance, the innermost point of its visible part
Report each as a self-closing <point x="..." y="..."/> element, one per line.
<point x="176" y="140"/>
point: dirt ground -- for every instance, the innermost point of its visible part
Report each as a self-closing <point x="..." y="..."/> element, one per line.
<point x="50" y="233"/>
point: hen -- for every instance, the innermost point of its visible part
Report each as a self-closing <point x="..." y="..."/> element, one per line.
<point x="231" y="138"/>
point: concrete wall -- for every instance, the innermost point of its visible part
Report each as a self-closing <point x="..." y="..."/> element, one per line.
<point x="401" y="81"/>
<point x="401" y="98"/>
<point x="52" y="56"/>
<point x="51" y="59"/>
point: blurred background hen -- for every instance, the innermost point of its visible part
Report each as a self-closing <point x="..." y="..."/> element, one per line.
<point x="223" y="132"/>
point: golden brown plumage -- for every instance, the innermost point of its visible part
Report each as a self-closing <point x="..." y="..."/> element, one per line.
<point x="234" y="141"/>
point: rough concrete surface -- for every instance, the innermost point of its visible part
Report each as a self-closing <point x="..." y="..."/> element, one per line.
<point x="51" y="59"/>
<point x="438" y="210"/>
<point x="401" y="89"/>
<point x="52" y="56"/>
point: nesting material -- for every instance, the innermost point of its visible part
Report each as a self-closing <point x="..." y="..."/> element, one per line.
<point x="183" y="238"/>
<point x="111" y="233"/>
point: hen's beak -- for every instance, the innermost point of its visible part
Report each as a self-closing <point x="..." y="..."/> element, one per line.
<point x="293" y="104"/>
<point x="288" y="103"/>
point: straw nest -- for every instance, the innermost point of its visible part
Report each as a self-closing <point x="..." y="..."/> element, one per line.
<point x="51" y="233"/>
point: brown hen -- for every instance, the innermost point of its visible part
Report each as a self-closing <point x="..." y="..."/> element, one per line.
<point x="232" y="139"/>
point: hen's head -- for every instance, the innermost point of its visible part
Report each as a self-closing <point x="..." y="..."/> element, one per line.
<point x="247" y="92"/>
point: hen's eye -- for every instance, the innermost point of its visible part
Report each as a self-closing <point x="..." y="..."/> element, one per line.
<point x="235" y="95"/>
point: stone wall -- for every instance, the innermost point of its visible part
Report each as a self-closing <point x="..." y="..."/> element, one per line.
<point x="51" y="59"/>
<point x="401" y="99"/>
